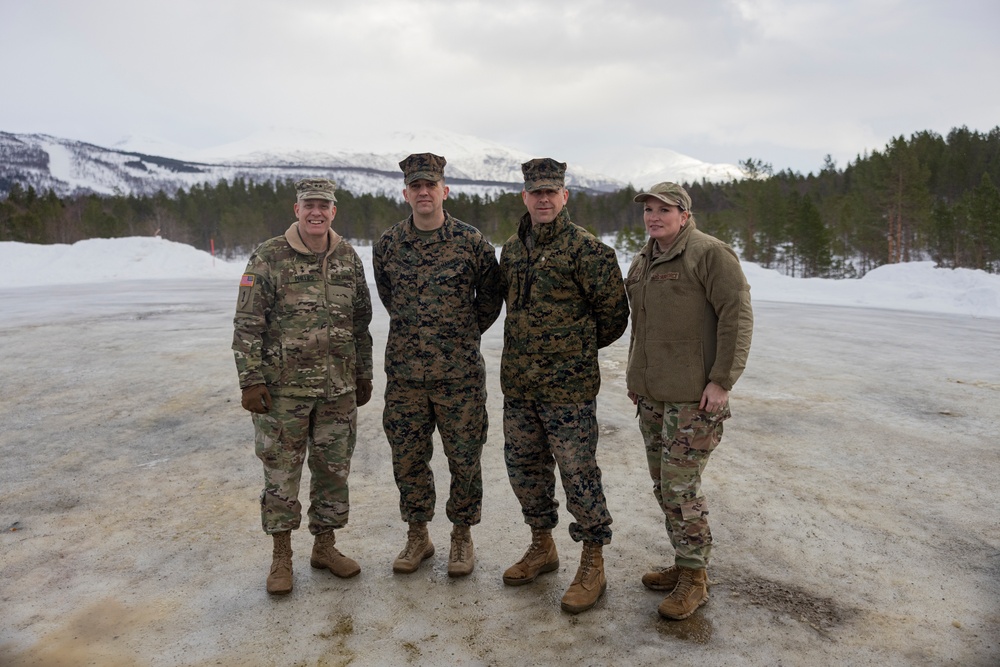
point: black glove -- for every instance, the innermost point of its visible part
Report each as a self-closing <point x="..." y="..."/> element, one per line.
<point x="256" y="399"/>
<point x="363" y="391"/>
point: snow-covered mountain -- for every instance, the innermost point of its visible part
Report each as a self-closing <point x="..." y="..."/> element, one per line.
<point x="144" y="166"/>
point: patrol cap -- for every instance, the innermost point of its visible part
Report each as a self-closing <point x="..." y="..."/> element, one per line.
<point x="668" y="193"/>
<point x="316" y="188"/>
<point x="423" y="166"/>
<point x="543" y="173"/>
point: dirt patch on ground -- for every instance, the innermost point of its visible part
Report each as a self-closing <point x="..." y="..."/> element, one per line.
<point x="821" y="613"/>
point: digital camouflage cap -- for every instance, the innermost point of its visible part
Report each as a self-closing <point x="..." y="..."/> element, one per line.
<point x="543" y="173"/>
<point x="668" y="193"/>
<point x="316" y="188"/>
<point x="423" y="166"/>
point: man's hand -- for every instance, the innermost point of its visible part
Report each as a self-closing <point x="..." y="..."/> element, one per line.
<point x="363" y="391"/>
<point x="256" y="399"/>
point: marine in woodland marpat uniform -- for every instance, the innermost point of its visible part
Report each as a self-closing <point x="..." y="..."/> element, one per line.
<point x="691" y="330"/>
<point x="565" y="300"/>
<point x="304" y="356"/>
<point x="438" y="279"/>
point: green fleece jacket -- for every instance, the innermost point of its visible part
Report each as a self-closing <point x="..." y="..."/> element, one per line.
<point x="691" y="318"/>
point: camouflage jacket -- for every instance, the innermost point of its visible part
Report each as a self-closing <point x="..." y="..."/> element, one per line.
<point x="442" y="292"/>
<point x="565" y="299"/>
<point x="691" y="318"/>
<point x="301" y="324"/>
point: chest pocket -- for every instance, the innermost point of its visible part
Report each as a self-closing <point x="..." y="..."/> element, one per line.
<point x="340" y="286"/>
<point x="299" y="295"/>
<point x="554" y="278"/>
<point x="453" y="275"/>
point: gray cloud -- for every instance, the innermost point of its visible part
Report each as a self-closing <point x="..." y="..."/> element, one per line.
<point x="589" y="80"/>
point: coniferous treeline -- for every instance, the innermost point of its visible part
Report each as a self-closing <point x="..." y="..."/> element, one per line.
<point x="926" y="197"/>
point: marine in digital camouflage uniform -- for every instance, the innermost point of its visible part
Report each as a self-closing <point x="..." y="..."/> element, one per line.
<point x="691" y="329"/>
<point x="565" y="300"/>
<point x="439" y="281"/>
<point x="304" y="357"/>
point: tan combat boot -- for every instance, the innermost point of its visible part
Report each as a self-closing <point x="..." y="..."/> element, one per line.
<point x="418" y="549"/>
<point x="327" y="556"/>
<point x="540" y="557"/>
<point x="279" y="581"/>
<point x="589" y="583"/>
<point x="661" y="580"/>
<point x="462" y="559"/>
<point x="691" y="592"/>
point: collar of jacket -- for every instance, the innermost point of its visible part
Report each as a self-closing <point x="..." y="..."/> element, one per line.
<point x="545" y="232"/>
<point x="444" y="233"/>
<point x="298" y="245"/>
<point x="675" y="248"/>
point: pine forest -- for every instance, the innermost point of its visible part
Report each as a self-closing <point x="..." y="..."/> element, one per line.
<point x="928" y="197"/>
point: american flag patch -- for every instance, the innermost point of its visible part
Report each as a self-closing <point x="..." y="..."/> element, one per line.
<point x="247" y="280"/>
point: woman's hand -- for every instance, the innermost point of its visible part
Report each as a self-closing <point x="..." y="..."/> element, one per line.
<point x="714" y="398"/>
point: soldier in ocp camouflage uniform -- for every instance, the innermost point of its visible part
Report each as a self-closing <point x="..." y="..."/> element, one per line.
<point x="565" y="300"/>
<point x="438" y="279"/>
<point x="691" y="328"/>
<point x="304" y="356"/>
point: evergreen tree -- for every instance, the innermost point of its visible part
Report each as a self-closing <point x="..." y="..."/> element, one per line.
<point x="905" y="199"/>
<point x="982" y="225"/>
<point x="811" y="240"/>
<point x="751" y="204"/>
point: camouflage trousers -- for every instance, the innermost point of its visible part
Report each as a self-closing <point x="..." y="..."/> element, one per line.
<point x="537" y="437"/>
<point x="458" y="409"/>
<point x="679" y="439"/>
<point x="327" y="430"/>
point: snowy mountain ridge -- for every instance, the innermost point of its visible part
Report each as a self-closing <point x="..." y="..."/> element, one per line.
<point x="144" y="166"/>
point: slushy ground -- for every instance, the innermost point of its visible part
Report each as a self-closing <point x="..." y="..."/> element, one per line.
<point x="853" y="501"/>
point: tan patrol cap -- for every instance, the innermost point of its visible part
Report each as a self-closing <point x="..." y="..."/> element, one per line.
<point x="316" y="188"/>
<point x="668" y="193"/>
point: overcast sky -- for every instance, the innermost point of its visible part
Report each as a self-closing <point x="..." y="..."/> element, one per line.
<point x="587" y="81"/>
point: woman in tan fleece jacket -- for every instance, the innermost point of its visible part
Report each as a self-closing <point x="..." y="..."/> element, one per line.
<point x="691" y="329"/>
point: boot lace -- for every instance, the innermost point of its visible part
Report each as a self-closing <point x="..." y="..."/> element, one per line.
<point x="586" y="562"/>
<point x="535" y="549"/>
<point x="414" y="538"/>
<point x="282" y="549"/>
<point x="684" y="587"/>
<point x="326" y="542"/>
<point x="281" y="557"/>
<point x="459" y="544"/>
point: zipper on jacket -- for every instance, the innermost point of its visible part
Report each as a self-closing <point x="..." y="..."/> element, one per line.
<point x="529" y="271"/>
<point x="324" y="274"/>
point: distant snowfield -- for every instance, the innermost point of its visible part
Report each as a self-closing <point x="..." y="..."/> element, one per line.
<point x="914" y="286"/>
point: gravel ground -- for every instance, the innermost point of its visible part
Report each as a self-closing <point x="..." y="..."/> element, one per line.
<point x="854" y="505"/>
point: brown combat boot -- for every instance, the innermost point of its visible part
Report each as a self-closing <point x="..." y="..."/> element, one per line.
<point x="279" y="581"/>
<point x="462" y="559"/>
<point x="418" y="549"/>
<point x="540" y="557"/>
<point x="327" y="556"/>
<point x="661" y="580"/>
<point x="589" y="583"/>
<point x="691" y="592"/>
